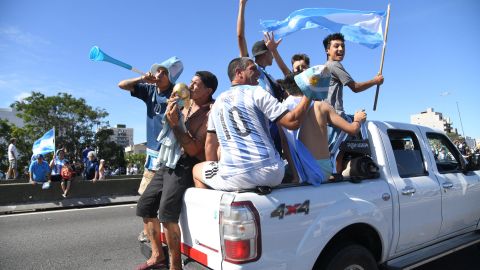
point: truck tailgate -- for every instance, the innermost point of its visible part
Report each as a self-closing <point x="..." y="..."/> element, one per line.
<point x="202" y="241"/>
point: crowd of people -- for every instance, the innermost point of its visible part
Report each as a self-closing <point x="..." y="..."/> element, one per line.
<point x="237" y="141"/>
<point x="59" y="169"/>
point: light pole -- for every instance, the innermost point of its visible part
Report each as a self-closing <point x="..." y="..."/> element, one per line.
<point x="461" y="124"/>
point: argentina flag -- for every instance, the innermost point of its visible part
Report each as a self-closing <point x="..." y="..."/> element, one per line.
<point x="45" y="144"/>
<point x="362" y="27"/>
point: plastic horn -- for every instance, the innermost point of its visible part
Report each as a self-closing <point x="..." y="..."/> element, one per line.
<point x="98" y="55"/>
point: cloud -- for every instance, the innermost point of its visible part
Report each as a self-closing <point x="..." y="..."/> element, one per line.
<point x="446" y="93"/>
<point x="15" y="35"/>
<point x="21" y="96"/>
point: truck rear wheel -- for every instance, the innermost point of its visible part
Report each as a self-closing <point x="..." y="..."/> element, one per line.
<point x="349" y="257"/>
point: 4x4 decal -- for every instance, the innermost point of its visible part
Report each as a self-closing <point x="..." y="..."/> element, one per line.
<point x="286" y="210"/>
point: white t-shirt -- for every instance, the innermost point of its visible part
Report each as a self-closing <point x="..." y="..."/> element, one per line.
<point x="240" y="118"/>
<point x="12" y="149"/>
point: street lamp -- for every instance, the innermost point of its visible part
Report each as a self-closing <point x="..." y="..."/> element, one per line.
<point x="459" y="116"/>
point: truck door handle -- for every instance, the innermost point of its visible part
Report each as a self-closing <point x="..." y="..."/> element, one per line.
<point x="447" y="185"/>
<point x="408" y="190"/>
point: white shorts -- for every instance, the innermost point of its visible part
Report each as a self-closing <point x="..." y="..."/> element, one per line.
<point x="267" y="176"/>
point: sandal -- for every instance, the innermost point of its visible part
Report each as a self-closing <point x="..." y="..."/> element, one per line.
<point x="159" y="265"/>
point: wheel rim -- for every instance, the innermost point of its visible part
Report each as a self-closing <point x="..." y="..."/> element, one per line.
<point x="354" y="267"/>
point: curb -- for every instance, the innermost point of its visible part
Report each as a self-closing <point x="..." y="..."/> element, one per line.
<point x="68" y="203"/>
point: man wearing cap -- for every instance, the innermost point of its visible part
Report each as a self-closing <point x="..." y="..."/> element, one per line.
<point x="261" y="54"/>
<point x="313" y="131"/>
<point x="153" y="89"/>
<point x="165" y="192"/>
<point x="263" y="57"/>
<point x="39" y="170"/>
<point x="238" y="123"/>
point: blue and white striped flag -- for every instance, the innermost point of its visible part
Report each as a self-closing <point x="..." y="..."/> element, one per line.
<point x="45" y="144"/>
<point x="363" y="27"/>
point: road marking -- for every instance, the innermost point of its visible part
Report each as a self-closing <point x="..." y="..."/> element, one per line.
<point x="69" y="210"/>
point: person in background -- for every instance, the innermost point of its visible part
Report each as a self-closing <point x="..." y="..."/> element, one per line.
<point x="39" y="170"/>
<point x="56" y="165"/>
<point x="12" y="172"/>
<point x="300" y="62"/>
<point x="66" y="173"/>
<point x="101" y="170"/>
<point x="91" y="167"/>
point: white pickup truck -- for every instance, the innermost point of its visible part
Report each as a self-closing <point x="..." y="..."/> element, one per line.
<point x="425" y="203"/>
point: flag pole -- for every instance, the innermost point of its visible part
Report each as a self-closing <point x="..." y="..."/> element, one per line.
<point x="383" y="55"/>
<point x="54" y="146"/>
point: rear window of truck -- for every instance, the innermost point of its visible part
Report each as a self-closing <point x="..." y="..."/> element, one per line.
<point x="407" y="152"/>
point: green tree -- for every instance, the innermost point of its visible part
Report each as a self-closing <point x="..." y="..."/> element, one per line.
<point x="23" y="145"/>
<point x="112" y="152"/>
<point x="136" y="159"/>
<point x="5" y="135"/>
<point x="72" y="118"/>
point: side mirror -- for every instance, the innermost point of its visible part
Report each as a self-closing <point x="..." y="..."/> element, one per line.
<point x="473" y="162"/>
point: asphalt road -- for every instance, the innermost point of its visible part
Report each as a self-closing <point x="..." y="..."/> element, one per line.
<point x="105" y="238"/>
<point x="93" y="238"/>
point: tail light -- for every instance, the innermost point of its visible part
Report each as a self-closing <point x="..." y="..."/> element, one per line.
<point x="240" y="232"/>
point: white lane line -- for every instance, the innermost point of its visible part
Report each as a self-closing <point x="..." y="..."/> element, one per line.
<point x="68" y="210"/>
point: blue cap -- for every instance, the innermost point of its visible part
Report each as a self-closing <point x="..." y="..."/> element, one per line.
<point x="174" y="66"/>
<point x="39" y="156"/>
<point x="314" y="82"/>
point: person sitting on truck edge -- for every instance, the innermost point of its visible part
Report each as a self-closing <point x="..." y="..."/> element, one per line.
<point x="238" y="123"/>
<point x="313" y="131"/>
<point x="334" y="45"/>
<point x="165" y="192"/>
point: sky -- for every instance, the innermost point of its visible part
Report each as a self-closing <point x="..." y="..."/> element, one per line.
<point x="431" y="60"/>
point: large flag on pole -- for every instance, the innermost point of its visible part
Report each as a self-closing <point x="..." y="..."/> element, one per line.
<point x="45" y="144"/>
<point x="362" y="27"/>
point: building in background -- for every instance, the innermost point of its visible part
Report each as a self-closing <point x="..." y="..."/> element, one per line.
<point x="470" y="142"/>
<point x="432" y="119"/>
<point x="140" y="148"/>
<point x="121" y="135"/>
<point x="10" y="115"/>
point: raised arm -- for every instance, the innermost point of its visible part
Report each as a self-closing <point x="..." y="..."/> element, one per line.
<point x="242" y="42"/>
<point x="362" y="86"/>
<point x="272" y="46"/>
<point x="129" y="84"/>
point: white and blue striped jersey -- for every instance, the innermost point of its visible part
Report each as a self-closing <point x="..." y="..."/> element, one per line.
<point x="240" y="119"/>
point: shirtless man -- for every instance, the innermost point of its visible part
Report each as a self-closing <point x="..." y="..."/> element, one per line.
<point x="313" y="131"/>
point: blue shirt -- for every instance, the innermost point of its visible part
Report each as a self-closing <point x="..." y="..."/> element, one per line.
<point x="39" y="171"/>
<point x="90" y="168"/>
<point x="156" y="105"/>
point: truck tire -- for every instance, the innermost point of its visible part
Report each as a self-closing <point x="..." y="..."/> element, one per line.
<point x="350" y="256"/>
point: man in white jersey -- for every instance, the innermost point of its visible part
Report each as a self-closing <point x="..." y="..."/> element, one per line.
<point x="238" y="123"/>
